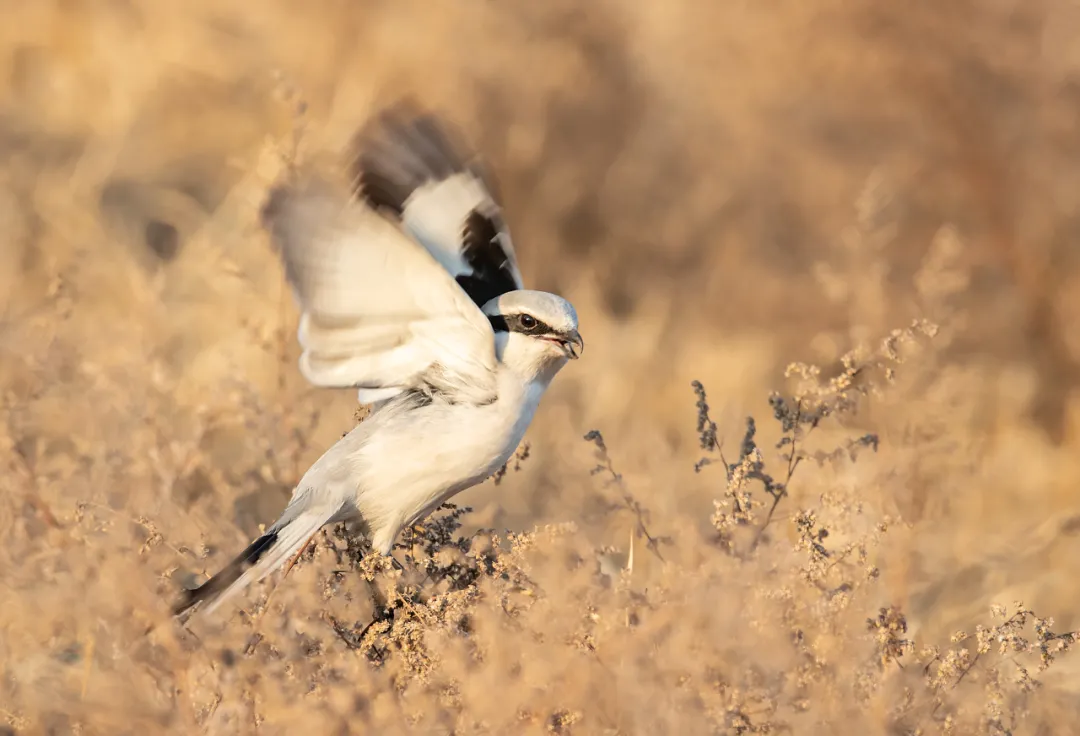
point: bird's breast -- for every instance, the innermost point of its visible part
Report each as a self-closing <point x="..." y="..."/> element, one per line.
<point x="442" y="445"/>
<point x="412" y="460"/>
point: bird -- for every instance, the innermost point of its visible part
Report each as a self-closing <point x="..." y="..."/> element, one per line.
<point x="409" y="291"/>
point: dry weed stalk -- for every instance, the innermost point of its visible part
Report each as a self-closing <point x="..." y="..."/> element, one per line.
<point x="782" y="625"/>
<point x="817" y="587"/>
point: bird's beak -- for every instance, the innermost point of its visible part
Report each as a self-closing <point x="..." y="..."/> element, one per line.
<point x="574" y="345"/>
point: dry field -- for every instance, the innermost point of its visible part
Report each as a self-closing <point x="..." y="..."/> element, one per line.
<point x="729" y="192"/>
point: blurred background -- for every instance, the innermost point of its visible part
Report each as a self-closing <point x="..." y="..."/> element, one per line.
<point x="720" y="188"/>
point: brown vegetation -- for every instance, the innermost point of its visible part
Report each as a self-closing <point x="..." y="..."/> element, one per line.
<point x="730" y="193"/>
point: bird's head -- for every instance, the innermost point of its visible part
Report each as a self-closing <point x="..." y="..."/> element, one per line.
<point x="536" y="333"/>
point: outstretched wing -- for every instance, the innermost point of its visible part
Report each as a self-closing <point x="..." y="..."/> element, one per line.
<point x="414" y="167"/>
<point x="379" y="313"/>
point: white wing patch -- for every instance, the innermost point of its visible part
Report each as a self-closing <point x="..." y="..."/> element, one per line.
<point x="414" y="167"/>
<point x="435" y="215"/>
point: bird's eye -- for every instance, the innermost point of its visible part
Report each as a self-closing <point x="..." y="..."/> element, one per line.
<point x="528" y="321"/>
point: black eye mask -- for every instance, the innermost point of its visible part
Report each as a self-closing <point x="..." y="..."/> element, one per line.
<point x="525" y="324"/>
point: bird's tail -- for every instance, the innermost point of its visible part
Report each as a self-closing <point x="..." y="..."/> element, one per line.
<point x="287" y="537"/>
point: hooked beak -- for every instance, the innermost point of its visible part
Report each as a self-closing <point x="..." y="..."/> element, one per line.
<point x="571" y="344"/>
<point x="574" y="345"/>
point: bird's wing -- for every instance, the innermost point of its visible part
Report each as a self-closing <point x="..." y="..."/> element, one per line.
<point x="379" y="313"/>
<point x="414" y="167"/>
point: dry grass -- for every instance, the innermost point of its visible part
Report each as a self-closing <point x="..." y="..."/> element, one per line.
<point x="686" y="174"/>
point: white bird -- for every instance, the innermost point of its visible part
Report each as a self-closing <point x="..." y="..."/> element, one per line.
<point x="410" y="291"/>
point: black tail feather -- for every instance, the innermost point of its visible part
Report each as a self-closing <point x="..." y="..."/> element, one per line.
<point x="227" y="576"/>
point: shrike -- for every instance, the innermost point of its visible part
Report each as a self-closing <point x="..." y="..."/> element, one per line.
<point x="410" y="292"/>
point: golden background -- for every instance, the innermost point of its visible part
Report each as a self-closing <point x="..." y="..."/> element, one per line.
<point x="720" y="188"/>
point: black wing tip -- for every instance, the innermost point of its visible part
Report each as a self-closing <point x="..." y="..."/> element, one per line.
<point x="226" y="576"/>
<point x="380" y="191"/>
<point x="404" y="146"/>
<point x="407" y="122"/>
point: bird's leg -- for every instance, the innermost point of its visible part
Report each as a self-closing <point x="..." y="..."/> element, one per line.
<point x="295" y="558"/>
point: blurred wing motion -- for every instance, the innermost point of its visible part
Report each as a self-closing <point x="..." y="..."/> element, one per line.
<point x="390" y="280"/>
<point x="390" y="274"/>
<point x="378" y="312"/>
<point x="409" y="165"/>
